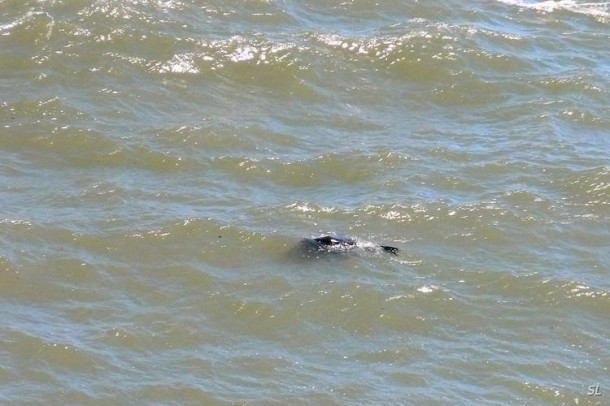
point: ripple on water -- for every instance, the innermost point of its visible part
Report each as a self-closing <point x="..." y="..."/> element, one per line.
<point x="163" y="159"/>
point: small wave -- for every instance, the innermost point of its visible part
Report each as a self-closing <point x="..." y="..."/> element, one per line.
<point x="599" y="11"/>
<point x="586" y="118"/>
<point x="252" y="61"/>
<point x="216" y="55"/>
<point x="141" y="10"/>
<point x="422" y="55"/>
<point x="575" y="290"/>
<point x="589" y="189"/>
<point x="34" y="25"/>
<point x="315" y="171"/>
<point x="455" y="59"/>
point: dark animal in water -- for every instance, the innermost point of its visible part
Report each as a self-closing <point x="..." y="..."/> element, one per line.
<point x="328" y="242"/>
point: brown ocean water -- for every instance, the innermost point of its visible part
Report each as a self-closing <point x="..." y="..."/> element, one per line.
<point x="161" y="160"/>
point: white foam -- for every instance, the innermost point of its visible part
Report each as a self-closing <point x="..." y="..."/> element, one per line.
<point x="599" y="11"/>
<point x="244" y="53"/>
<point x="427" y="289"/>
<point x="180" y="63"/>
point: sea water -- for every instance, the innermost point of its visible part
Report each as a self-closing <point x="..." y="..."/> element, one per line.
<point x="161" y="160"/>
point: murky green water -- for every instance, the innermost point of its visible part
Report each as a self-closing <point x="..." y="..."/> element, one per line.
<point x="161" y="160"/>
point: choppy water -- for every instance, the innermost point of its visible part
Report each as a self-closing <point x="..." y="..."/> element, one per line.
<point x="160" y="160"/>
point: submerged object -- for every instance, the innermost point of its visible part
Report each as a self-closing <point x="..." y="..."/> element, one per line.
<point x="336" y="243"/>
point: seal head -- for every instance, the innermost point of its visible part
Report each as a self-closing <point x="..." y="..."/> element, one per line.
<point x="336" y="243"/>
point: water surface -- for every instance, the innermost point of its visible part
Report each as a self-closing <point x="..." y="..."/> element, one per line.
<point x="161" y="160"/>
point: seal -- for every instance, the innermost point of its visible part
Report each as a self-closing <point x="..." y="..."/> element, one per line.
<point x="336" y="243"/>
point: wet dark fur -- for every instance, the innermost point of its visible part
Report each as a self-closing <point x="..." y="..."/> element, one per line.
<point x="335" y="241"/>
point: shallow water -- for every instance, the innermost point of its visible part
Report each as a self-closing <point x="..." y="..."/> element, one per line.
<point x="161" y="161"/>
